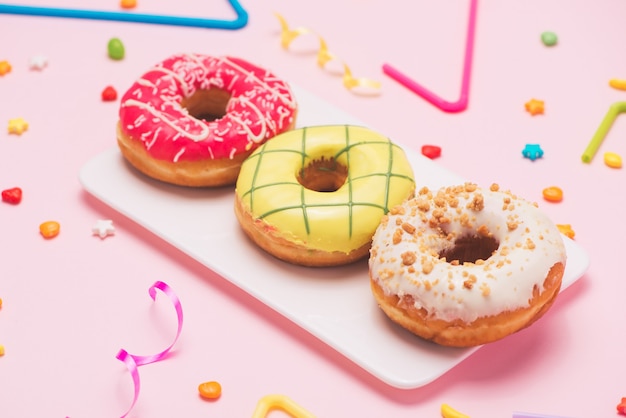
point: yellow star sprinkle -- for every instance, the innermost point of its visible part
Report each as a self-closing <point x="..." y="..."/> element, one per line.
<point x="17" y="126"/>
<point x="534" y="107"/>
<point x="566" y="229"/>
<point x="5" y="67"/>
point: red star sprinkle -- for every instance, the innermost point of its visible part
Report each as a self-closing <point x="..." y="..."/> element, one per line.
<point x="431" y="151"/>
<point x="109" y="94"/>
<point x="13" y="196"/>
<point x="621" y="408"/>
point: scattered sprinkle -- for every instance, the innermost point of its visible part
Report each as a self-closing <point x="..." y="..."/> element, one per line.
<point x="613" y="160"/>
<point x="1" y="350"/>
<point x="5" y="67"/>
<point x="621" y="407"/>
<point x="553" y="194"/>
<point x="116" y="49"/>
<point x="431" y="151"/>
<point x="532" y="151"/>
<point x="103" y="228"/>
<point x="13" y="195"/>
<point x="128" y="4"/>
<point x="210" y="390"/>
<point x="549" y="38"/>
<point x="50" y="229"/>
<point x="617" y="83"/>
<point x="566" y="229"/>
<point x="448" y="412"/>
<point x="534" y="107"/>
<point x="38" y="62"/>
<point x="0" y="302"/>
<point x="109" y="94"/>
<point x="17" y="126"/>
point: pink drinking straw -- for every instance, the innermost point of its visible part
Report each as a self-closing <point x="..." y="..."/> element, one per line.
<point x="446" y="106"/>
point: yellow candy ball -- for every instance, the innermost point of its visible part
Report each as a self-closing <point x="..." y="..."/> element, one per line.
<point x="613" y="160"/>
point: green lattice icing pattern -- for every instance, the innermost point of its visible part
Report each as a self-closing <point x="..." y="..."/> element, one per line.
<point x="379" y="176"/>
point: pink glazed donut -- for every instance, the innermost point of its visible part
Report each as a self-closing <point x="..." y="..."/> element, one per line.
<point x="192" y="119"/>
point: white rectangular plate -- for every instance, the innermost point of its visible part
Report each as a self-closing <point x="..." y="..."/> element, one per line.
<point x="338" y="307"/>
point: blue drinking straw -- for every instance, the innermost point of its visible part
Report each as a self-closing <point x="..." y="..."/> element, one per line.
<point x="239" y="22"/>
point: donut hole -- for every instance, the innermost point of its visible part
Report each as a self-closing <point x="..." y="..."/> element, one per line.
<point x="323" y="175"/>
<point x="208" y="105"/>
<point x="470" y="248"/>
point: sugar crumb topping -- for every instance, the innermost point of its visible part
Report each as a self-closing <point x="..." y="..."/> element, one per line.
<point x="409" y="228"/>
<point x="408" y="258"/>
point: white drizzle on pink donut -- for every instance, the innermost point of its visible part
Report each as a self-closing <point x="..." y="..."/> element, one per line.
<point x="261" y="106"/>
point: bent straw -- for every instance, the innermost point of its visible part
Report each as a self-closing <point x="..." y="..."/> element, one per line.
<point x="614" y="110"/>
<point x="240" y="21"/>
<point x="446" y="106"/>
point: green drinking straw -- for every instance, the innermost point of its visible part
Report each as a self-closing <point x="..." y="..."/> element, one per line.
<point x="615" y="109"/>
<point x="239" y="22"/>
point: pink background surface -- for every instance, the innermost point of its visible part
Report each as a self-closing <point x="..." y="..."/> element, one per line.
<point x="70" y="303"/>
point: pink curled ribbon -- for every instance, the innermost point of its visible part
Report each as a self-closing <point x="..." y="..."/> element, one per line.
<point x="131" y="361"/>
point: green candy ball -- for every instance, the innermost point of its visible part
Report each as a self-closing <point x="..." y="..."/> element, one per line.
<point x="549" y="38"/>
<point x="116" y="49"/>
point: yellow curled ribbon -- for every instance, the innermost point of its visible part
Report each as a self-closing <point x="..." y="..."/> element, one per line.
<point x="324" y="56"/>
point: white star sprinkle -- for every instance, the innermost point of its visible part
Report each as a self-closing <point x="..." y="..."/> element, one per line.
<point x="38" y="62"/>
<point x="103" y="228"/>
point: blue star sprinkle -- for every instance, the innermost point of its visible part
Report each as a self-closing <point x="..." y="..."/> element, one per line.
<point x="532" y="152"/>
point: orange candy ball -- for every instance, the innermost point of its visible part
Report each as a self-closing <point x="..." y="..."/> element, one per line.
<point x="553" y="194"/>
<point x="210" y="390"/>
<point x="128" y="4"/>
<point x="50" y="229"/>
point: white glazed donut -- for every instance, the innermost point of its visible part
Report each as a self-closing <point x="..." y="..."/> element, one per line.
<point x="464" y="266"/>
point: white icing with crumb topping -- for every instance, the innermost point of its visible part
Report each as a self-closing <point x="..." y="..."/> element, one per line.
<point x="406" y="255"/>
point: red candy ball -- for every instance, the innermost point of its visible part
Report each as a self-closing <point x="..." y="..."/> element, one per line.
<point x="109" y="94"/>
<point x="431" y="151"/>
<point x="13" y="196"/>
